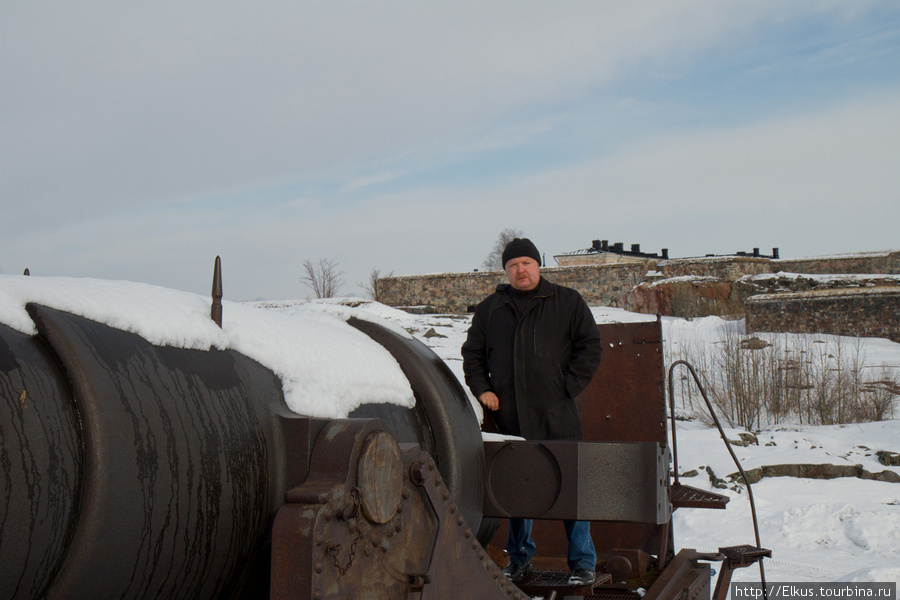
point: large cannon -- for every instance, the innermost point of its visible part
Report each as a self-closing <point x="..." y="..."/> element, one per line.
<point x="134" y="470"/>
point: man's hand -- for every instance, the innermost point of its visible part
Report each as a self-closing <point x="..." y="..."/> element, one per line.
<point x="490" y="400"/>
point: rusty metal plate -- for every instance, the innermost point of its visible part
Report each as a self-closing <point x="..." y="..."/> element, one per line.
<point x="322" y="547"/>
<point x="379" y="477"/>
<point x="625" y="401"/>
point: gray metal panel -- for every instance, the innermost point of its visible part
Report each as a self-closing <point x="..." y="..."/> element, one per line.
<point x="621" y="481"/>
<point x="590" y="481"/>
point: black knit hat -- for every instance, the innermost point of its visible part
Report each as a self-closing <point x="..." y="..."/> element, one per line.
<point x="520" y="247"/>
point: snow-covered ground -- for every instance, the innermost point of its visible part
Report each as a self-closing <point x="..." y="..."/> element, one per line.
<point x="845" y="529"/>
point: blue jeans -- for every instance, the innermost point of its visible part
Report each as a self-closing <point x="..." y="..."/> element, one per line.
<point x="581" y="555"/>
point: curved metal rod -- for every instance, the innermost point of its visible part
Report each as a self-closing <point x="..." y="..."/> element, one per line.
<point x="672" y="413"/>
<point x="712" y="413"/>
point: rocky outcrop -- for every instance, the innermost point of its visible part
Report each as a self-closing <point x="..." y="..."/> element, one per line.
<point x="808" y="471"/>
<point x="701" y="296"/>
<point x="687" y="297"/>
<point x="888" y="459"/>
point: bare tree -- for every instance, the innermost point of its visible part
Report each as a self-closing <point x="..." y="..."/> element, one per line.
<point x="373" y="287"/>
<point x="494" y="260"/>
<point x="322" y="277"/>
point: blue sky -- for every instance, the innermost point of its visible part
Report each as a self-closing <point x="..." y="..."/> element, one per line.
<point x="140" y="140"/>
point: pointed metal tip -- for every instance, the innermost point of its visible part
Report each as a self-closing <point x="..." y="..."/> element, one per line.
<point x="215" y="311"/>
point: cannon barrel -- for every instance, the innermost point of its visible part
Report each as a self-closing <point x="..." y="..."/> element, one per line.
<point x="133" y="470"/>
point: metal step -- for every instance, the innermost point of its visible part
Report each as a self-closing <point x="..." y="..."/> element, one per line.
<point x="612" y="594"/>
<point x="544" y="583"/>
<point x="745" y="555"/>
<point x="685" y="496"/>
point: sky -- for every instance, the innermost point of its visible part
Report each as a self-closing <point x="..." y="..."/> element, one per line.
<point x="139" y="140"/>
<point x="844" y="529"/>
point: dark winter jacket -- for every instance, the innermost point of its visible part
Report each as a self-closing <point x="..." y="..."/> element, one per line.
<point x="536" y="363"/>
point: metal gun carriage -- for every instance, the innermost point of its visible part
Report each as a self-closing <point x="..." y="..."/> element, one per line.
<point x="133" y="470"/>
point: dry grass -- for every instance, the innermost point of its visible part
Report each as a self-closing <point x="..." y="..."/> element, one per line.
<point x="754" y="381"/>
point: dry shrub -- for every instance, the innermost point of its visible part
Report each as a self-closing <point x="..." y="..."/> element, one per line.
<point x="766" y="379"/>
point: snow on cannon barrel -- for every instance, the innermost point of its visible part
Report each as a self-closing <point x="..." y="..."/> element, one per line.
<point x="147" y="452"/>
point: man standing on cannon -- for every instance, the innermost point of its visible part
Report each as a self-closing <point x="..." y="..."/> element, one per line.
<point x="533" y="347"/>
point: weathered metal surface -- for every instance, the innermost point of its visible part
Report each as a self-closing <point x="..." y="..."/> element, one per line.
<point x="442" y="422"/>
<point x="736" y="557"/>
<point x="140" y="471"/>
<point x="215" y="309"/>
<point x="618" y="593"/>
<point x="625" y="401"/>
<point x="42" y="463"/>
<point x="179" y="477"/>
<point x="586" y="481"/>
<point x="543" y="584"/>
<point x="324" y="546"/>
<point x="380" y="477"/>
<point x="684" y="578"/>
<point x="133" y="471"/>
<point x="685" y="496"/>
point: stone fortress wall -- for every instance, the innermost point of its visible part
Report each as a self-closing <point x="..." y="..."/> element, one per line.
<point x="853" y="294"/>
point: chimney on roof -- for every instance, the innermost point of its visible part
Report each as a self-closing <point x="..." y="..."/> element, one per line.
<point x="756" y="252"/>
<point x="774" y="252"/>
<point x="636" y="248"/>
<point x="665" y="253"/>
<point x="595" y="245"/>
<point x="619" y="247"/>
<point x="604" y="245"/>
